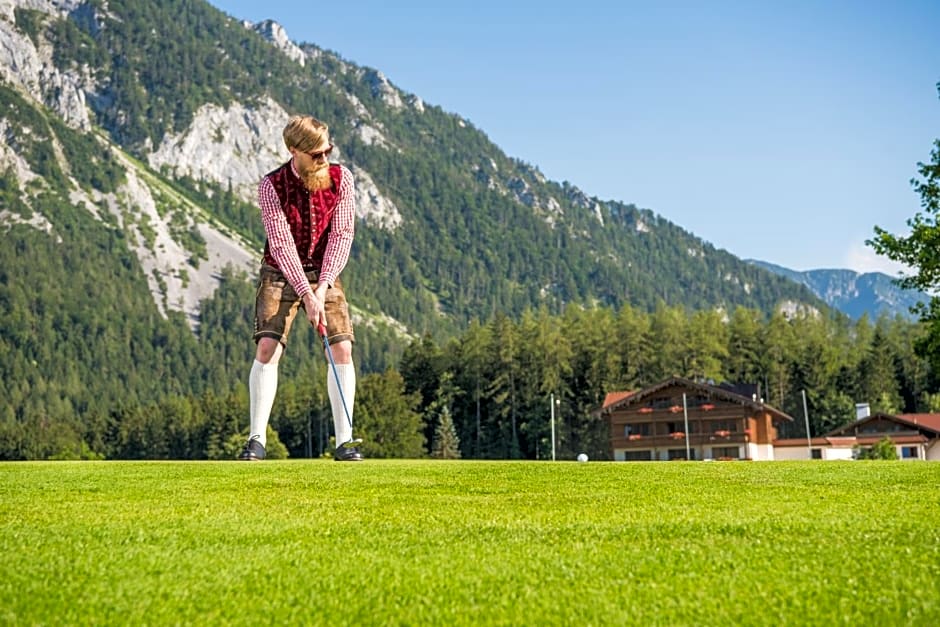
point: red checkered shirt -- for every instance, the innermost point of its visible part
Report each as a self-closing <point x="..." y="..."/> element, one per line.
<point x="281" y="243"/>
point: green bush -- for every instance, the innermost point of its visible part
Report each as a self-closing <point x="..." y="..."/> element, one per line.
<point x="882" y="449"/>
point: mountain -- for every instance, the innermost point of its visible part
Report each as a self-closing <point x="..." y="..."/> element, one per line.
<point x="452" y="227"/>
<point x="855" y="294"/>
<point x="132" y="137"/>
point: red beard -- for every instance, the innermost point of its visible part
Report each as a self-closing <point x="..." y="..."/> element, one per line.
<point x="317" y="178"/>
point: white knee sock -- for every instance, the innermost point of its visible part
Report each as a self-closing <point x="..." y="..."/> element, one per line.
<point x="262" y="387"/>
<point x="347" y="378"/>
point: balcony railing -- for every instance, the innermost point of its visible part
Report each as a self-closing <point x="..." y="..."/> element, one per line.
<point x="678" y="439"/>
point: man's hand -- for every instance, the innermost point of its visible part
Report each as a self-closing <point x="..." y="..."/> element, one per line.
<point x="314" y="303"/>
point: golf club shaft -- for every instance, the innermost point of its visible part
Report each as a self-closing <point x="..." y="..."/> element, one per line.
<point x="339" y="386"/>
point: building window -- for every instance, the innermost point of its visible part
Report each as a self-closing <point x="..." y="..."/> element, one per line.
<point x="679" y="453"/>
<point x="816" y="453"/>
<point x="723" y="425"/>
<point x="881" y="426"/>
<point x="665" y="402"/>
<point x="725" y="452"/>
<point x="698" y="401"/>
<point x="637" y="456"/>
<point x="636" y="428"/>
<point x="909" y="452"/>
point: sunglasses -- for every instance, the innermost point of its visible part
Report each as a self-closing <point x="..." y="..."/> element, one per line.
<point x="316" y="156"/>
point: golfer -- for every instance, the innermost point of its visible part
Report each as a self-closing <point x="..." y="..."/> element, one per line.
<point x="308" y="211"/>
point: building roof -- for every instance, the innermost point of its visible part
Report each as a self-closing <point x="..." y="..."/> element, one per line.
<point x="848" y="441"/>
<point x="718" y="392"/>
<point x="928" y="421"/>
<point x="895" y="439"/>
<point x="613" y="397"/>
<point x="925" y="423"/>
<point x="817" y="441"/>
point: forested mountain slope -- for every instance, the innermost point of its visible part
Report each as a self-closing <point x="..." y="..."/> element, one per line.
<point x="451" y="227"/>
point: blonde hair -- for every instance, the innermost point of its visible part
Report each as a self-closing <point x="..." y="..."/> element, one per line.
<point x="306" y="134"/>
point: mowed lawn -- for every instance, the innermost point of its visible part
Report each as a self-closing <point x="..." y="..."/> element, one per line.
<point x="470" y="542"/>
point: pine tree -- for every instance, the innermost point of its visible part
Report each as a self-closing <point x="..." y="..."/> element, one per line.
<point x="446" y="443"/>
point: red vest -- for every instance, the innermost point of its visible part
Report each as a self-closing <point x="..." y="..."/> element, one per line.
<point x="309" y="214"/>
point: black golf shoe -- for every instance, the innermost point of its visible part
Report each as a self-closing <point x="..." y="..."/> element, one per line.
<point x="347" y="454"/>
<point x="253" y="451"/>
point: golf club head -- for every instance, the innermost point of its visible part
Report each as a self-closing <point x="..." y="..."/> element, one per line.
<point x="352" y="443"/>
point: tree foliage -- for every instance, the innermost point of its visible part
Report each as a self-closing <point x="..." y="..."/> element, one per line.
<point x="882" y="449"/>
<point x="386" y="419"/>
<point x="920" y="251"/>
<point x="502" y="373"/>
<point x="446" y="443"/>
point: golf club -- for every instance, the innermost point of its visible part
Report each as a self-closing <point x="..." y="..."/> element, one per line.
<point x="329" y="353"/>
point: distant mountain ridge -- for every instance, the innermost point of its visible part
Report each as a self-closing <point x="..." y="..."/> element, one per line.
<point x="853" y="293"/>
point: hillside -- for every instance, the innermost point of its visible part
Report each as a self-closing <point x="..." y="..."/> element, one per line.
<point x="451" y="227"/>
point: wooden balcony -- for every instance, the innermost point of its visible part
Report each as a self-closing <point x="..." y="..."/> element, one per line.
<point x="666" y="440"/>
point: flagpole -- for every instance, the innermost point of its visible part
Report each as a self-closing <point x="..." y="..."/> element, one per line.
<point x="809" y="441"/>
<point x="685" y="413"/>
<point x="552" y="401"/>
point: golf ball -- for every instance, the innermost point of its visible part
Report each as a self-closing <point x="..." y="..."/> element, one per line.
<point x="582" y="458"/>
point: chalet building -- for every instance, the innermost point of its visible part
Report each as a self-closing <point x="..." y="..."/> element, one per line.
<point x="915" y="436"/>
<point x="684" y="419"/>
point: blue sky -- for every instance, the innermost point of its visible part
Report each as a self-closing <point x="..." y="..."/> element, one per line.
<point x="777" y="131"/>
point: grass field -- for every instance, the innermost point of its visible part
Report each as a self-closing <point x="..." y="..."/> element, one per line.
<point x="430" y="542"/>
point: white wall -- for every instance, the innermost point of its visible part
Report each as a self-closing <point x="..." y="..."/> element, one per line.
<point x="789" y="453"/>
<point x="619" y="455"/>
<point x="933" y="453"/>
<point x="765" y="452"/>
<point x="760" y="452"/>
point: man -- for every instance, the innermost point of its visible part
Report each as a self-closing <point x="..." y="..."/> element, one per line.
<point x="308" y="211"/>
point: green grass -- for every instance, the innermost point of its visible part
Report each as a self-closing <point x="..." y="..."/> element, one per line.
<point x="421" y="542"/>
